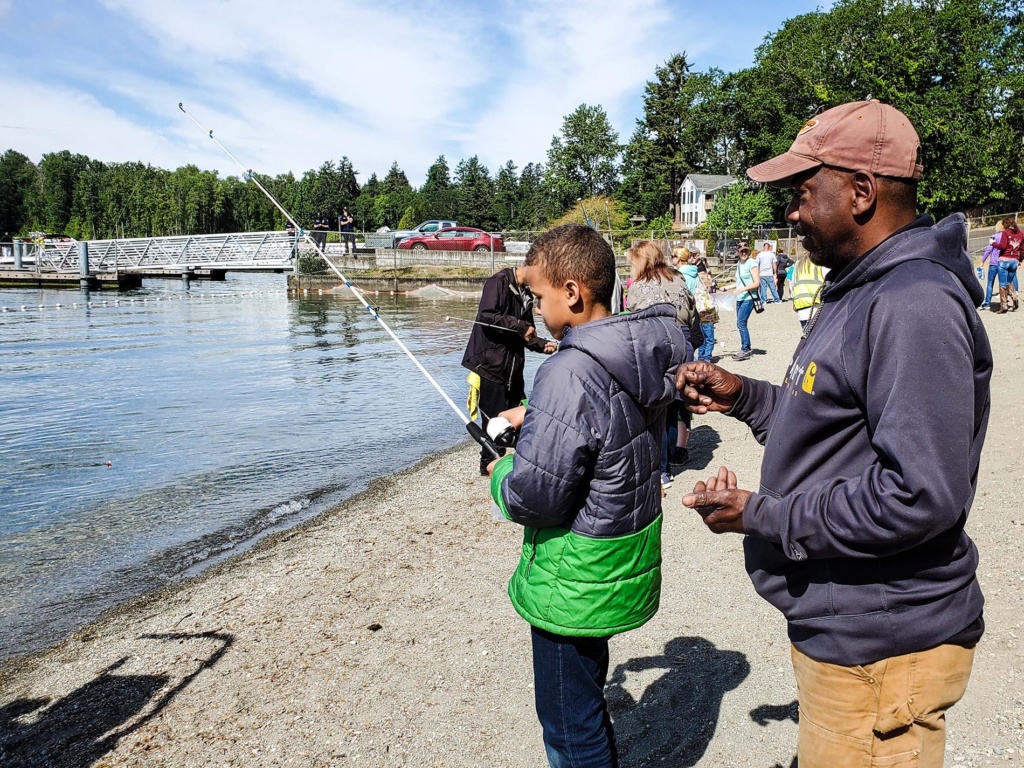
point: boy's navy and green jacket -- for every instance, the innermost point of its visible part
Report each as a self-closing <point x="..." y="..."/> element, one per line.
<point x="585" y="479"/>
<point x="872" y="447"/>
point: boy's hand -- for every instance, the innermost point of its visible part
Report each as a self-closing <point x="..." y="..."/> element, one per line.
<point x="515" y="415"/>
<point x="490" y="467"/>
<point x="720" y="502"/>
<point x="550" y="346"/>
<point x="706" y="387"/>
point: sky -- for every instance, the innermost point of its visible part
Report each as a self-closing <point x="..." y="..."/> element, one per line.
<point x="288" y="84"/>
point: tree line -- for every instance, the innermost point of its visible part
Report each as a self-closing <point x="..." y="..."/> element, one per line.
<point x="955" y="67"/>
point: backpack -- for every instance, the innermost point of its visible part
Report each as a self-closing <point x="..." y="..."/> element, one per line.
<point x="706" y="309"/>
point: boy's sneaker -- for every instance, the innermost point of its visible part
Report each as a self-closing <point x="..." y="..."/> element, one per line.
<point x="743" y="354"/>
<point x="666" y="479"/>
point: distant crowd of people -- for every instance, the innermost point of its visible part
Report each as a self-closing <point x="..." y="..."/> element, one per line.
<point x="872" y="443"/>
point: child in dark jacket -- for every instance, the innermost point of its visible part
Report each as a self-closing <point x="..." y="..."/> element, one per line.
<point x="584" y="482"/>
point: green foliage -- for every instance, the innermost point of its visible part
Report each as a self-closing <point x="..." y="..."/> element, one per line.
<point x="18" y="178"/>
<point x="683" y="129"/>
<point x="582" y="162"/>
<point x="663" y="222"/>
<point x="475" y="194"/>
<point x="604" y="211"/>
<point x="410" y="218"/>
<point x="740" y="208"/>
<point x="954" y="67"/>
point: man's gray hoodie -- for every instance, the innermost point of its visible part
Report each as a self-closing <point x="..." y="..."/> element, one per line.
<point x="872" y="445"/>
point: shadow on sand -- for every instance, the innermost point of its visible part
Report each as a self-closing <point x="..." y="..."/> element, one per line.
<point x="674" y="720"/>
<point x="704" y="441"/>
<point x="78" y="729"/>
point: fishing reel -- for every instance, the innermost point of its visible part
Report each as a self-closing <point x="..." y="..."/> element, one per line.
<point x="501" y="431"/>
<point x="500" y="434"/>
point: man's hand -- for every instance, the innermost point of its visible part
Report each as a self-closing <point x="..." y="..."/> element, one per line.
<point x="719" y="502"/>
<point x="515" y="415"/>
<point x="490" y="467"/>
<point x="530" y="334"/>
<point x="706" y="387"/>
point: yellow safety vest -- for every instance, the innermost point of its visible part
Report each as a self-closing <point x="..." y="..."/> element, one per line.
<point x="807" y="279"/>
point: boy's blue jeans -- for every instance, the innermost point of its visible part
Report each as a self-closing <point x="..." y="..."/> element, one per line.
<point x="569" y="674"/>
<point x="707" y="349"/>
<point x="993" y="273"/>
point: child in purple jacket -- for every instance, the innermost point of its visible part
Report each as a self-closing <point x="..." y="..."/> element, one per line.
<point x="990" y="260"/>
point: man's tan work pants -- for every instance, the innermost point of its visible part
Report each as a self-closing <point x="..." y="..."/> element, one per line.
<point x="890" y="713"/>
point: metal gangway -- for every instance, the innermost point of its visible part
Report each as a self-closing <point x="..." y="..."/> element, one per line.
<point x="238" y="251"/>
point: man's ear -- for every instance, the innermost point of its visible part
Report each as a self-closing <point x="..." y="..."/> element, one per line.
<point x="865" y="192"/>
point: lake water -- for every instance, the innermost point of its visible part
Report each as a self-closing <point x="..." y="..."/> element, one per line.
<point x="225" y="413"/>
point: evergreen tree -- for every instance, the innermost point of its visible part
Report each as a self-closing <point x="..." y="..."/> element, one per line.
<point x="582" y="161"/>
<point x="17" y="181"/>
<point x="475" y="194"/>
<point x="506" y="196"/>
<point x="396" y="194"/>
<point x="438" y="197"/>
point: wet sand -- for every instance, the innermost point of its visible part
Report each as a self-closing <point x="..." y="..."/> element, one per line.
<point x="381" y="634"/>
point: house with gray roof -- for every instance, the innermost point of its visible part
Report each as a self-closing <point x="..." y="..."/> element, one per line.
<point x="697" y="196"/>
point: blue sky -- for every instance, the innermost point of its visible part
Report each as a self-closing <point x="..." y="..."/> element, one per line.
<point x="287" y="85"/>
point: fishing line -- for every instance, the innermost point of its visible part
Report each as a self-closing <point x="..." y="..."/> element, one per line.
<point x="471" y="426"/>
<point x="449" y="318"/>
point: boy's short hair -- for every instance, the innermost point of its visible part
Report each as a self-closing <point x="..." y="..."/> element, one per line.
<point x="576" y="252"/>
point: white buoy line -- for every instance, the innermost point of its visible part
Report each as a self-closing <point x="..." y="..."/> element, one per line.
<point x="129" y="302"/>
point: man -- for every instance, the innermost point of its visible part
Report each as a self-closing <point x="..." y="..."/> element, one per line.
<point x="496" y="350"/>
<point x="782" y="265"/>
<point x="320" y="227"/>
<point x="872" y="445"/>
<point x="346" y="225"/>
<point x="768" y="265"/>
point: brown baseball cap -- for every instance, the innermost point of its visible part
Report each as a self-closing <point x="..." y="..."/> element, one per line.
<point x="861" y="135"/>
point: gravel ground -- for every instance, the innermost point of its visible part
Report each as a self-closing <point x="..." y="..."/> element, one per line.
<point x="381" y="634"/>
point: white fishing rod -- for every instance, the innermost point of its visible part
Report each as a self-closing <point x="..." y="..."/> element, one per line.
<point x="471" y="426"/>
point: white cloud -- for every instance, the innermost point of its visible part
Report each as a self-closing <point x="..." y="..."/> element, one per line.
<point x="287" y="86"/>
<point x="51" y="117"/>
<point x="5" y="8"/>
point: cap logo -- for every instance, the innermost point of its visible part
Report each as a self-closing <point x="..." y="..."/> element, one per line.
<point x="807" y="126"/>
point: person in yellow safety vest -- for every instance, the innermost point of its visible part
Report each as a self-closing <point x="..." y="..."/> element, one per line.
<point x="807" y="280"/>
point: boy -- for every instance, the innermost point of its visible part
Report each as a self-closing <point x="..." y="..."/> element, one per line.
<point x="584" y="482"/>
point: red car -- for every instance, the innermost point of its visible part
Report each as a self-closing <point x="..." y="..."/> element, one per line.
<point x="455" y="239"/>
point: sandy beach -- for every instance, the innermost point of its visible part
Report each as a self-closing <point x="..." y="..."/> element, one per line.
<point x="380" y="634"/>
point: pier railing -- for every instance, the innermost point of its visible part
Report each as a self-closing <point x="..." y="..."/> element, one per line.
<point x="252" y="250"/>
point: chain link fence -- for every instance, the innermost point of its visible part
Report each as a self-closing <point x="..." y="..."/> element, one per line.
<point x="360" y="256"/>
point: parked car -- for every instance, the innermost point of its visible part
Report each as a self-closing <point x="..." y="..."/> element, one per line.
<point x="455" y="239"/>
<point x="725" y="250"/>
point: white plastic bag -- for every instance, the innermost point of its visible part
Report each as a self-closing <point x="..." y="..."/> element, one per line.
<point x="725" y="301"/>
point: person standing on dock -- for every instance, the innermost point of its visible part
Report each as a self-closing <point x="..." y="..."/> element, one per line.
<point x="320" y="227"/>
<point x="346" y="224"/>
<point x="496" y="355"/>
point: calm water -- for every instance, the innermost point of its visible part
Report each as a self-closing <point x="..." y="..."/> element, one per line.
<point x="223" y="418"/>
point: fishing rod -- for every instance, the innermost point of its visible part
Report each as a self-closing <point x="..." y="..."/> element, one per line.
<point x="448" y="318"/>
<point x="471" y="426"/>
